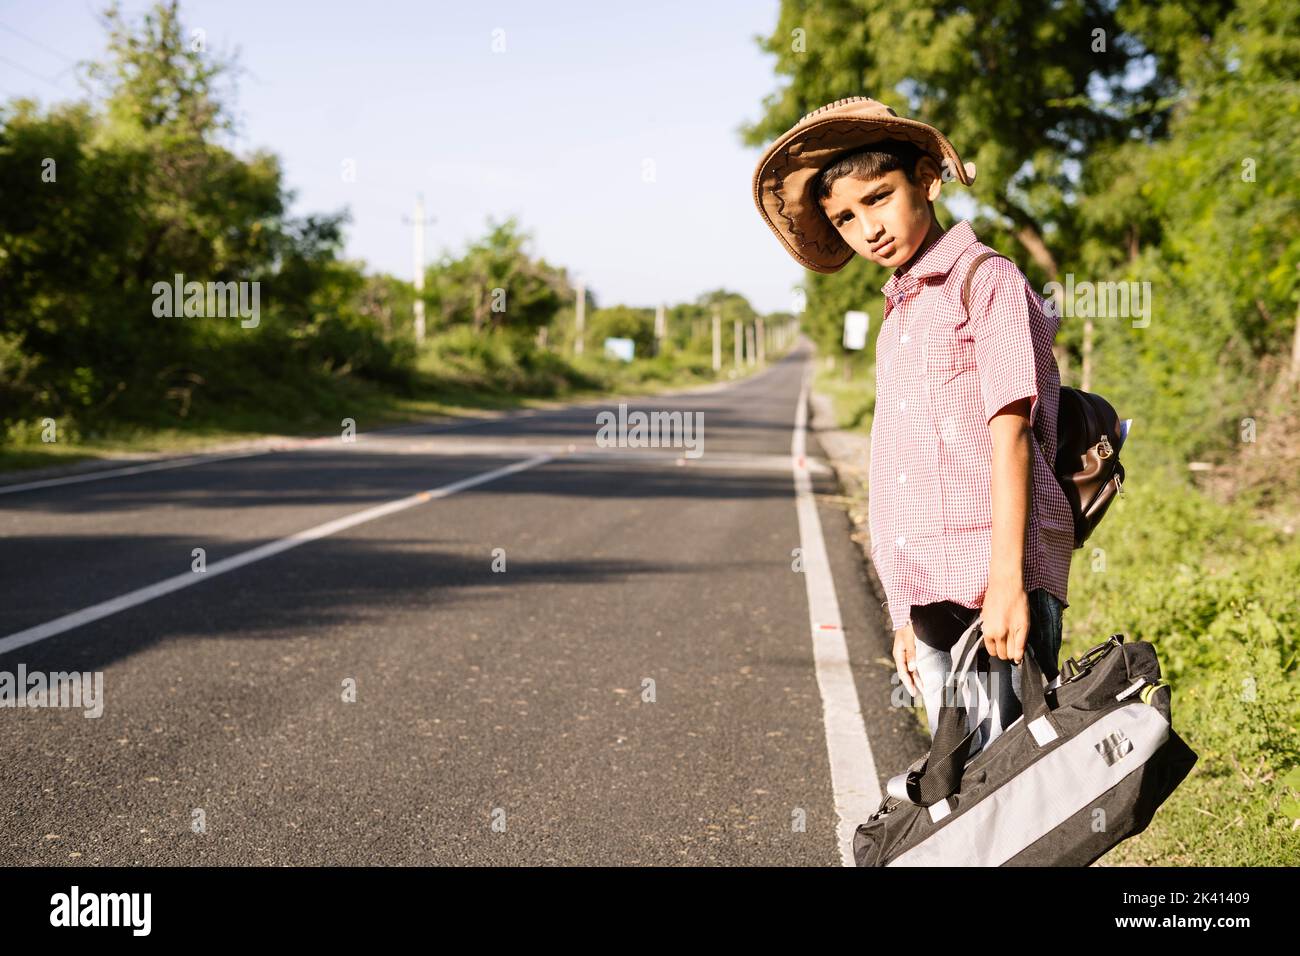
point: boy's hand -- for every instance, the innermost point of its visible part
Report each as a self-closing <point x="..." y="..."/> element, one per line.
<point x="905" y="658"/>
<point x="1006" y="620"/>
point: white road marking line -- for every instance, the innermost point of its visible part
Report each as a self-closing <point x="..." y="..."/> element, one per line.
<point x="289" y="444"/>
<point x="187" y="578"/>
<point x="853" y="767"/>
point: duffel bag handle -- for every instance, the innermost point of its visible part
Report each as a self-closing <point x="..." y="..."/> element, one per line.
<point x="1032" y="697"/>
<point x="937" y="775"/>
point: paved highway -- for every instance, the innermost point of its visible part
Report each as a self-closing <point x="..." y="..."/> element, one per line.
<point x="494" y="643"/>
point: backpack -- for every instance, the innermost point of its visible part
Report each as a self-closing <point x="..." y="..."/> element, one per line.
<point x="1089" y="435"/>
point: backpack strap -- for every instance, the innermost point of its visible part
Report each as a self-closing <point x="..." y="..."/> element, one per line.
<point x="970" y="275"/>
<point x="965" y="300"/>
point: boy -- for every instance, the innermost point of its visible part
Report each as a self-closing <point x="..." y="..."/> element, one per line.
<point x="967" y="519"/>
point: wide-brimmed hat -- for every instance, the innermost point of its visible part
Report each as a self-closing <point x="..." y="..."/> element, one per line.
<point x="784" y="177"/>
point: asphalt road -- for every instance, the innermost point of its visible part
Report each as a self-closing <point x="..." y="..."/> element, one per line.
<point x="639" y="685"/>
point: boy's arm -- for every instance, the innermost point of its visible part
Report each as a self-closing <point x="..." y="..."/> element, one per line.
<point x="1005" y="355"/>
<point x="1005" y="612"/>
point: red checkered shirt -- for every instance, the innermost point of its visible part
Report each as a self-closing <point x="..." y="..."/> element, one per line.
<point x="940" y="378"/>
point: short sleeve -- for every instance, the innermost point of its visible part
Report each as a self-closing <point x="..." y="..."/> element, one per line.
<point x="1001" y="325"/>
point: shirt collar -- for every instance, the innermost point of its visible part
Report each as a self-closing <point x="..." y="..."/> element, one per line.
<point x="938" y="260"/>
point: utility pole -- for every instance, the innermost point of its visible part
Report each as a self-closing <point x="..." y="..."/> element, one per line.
<point x="580" y="318"/>
<point x="417" y="255"/>
<point x="717" y="340"/>
<point x="737" y="338"/>
<point x="661" y="328"/>
<point x="762" y="342"/>
<point x="749" y="344"/>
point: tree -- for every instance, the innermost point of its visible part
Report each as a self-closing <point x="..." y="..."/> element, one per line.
<point x="106" y="199"/>
<point x="157" y="79"/>
<point x="497" y="284"/>
<point x="1218" y="204"/>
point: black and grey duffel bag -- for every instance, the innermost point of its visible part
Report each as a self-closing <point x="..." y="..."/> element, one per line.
<point x="1084" y="767"/>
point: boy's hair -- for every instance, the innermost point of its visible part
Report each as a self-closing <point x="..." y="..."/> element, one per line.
<point x="870" y="162"/>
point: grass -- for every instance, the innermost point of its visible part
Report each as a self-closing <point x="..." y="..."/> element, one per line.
<point x="1212" y="584"/>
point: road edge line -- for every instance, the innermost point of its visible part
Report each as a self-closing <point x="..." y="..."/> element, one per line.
<point x="854" y="781"/>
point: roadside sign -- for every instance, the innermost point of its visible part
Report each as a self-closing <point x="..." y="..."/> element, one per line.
<point x="855" y="330"/>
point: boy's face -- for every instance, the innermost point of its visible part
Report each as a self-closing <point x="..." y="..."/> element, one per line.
<point x="885" y="219"/>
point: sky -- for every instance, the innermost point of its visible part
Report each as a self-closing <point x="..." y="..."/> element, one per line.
<point x="609" y="130"/>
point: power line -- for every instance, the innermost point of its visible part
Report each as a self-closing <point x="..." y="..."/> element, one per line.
<point x="35" y="42"/>
<point x="33" y="73"/>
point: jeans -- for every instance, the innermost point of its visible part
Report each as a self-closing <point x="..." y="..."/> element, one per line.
<point x="937" y="628"/>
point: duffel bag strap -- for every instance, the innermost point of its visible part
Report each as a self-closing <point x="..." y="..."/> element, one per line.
<point x="937" y="775"/>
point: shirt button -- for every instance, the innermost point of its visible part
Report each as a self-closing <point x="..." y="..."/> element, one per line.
<point x="900" y="540"/>
<point x="902" y="405"/>
<point x="901" y="478"/>
<point x="904" y="337"/>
